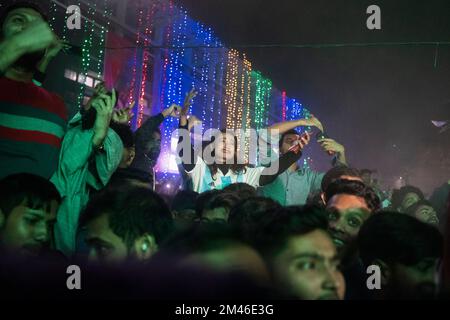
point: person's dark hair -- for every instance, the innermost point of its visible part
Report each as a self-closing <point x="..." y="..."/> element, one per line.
<point x="356" y="188"/>
<point x="37" y="192"/>
<point x="124" y="132"/>
<point x="242" y="190"/>
<point x="247" y="215"/>
<point x="132" y="212"/>
<point x="398" y="238"/>
<point x="202" y="199"/>
<point x="365" y="171"/>
<point x="399" y="194"/>
<point x="335" y="173"/>
<point x="201" y="238"/>
<point x="277" y="228"/>
<point x="126" y="175"/>
<point x="280" y="143"/>
<point x="221" y="200"/>
<point x="235" y="167"/>
<point x="21" y="4"/>
<point x="184" y="200"/>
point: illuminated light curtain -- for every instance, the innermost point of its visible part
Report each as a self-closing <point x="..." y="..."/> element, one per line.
<point x="103" y="34"/>
<point x="263" y="89"/>
<point x="283" y="106"/>
<point x="231" y="90"/>
<point x="174" y="92"/>
<point x="132" y="91"/>
<point x="86" y="50"/>
<point x="246" y="86"/>
<point x="147" y="33"/>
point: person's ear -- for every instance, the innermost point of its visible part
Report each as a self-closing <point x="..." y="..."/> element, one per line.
<point x="386" y="272"/>
<point x="322" y="196"/>
<point x="131" y="155"/>
<point x="145" y="247"/>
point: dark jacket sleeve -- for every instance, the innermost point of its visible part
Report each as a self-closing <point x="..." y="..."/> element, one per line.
<point x="144" y="141"/>
<point x="284" y="162"/>
<point x="144" y="133"/>
<point x="188" y="166"/>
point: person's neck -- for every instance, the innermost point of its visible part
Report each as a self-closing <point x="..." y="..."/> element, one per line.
<point x="293" y="167"/>
<point x="19" y="74"/>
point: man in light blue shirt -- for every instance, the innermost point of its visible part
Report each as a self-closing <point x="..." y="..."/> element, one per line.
<point x="293" y="186"/>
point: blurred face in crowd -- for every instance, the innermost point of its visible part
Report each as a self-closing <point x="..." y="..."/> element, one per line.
<point x="417" y="281"/>
<point x="427" y="214"/>
<point x="288" y="141"/>
<point x="16" y="21"/>
<point x="307" y="268"/>
<point x="26" y="231"/>
<point x="346" y="216"/>
<point x="367" y="178"/>
<point x="219" y="214"/>
<point x="224" y="148"/>
<point x="155" y="148"/>
<point x="233" y="257"/>
<point x="409" y="199"/>
<point x="106" y="247"/>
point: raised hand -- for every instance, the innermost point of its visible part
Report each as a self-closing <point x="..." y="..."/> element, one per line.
<point x="174" y="111"/>
<point x="104" y="105"/>
<point x="331" y="146"/>
<point x="188" y="101"/>
<point x="123" y="115"/>
<point x="301" y="142"/>
<point x="193" y="121"/>
<point x="312" y="122"/>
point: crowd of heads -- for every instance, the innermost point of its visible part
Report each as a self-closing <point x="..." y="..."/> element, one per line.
<point x="233" y="241"/>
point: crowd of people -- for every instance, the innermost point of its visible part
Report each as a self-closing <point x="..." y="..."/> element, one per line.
<point x="83" y="192"/>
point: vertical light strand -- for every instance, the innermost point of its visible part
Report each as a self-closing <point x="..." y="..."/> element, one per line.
<point x="231" y="88"/>
<point x="86" y="52"/>
<point x="132" y="88"/>
<point x="103" y="33"/>
<point x="283" y="106"/>
<point x="247" y="78"/>
<point x="145" y="63"/>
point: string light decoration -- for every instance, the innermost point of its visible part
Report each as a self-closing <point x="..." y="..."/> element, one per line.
<point x="262" y="99"/>
<point x="103" y="33"/>
<point x="86" y="50"/>
<point x="145" y="63"/>
<point x="231" y="89"/>
<point x="174" y="84"/>
<point x="133" y="89"/>
<point x="283" y="105"/>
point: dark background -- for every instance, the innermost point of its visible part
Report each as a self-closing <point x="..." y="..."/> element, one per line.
<point x="377" y="101"/>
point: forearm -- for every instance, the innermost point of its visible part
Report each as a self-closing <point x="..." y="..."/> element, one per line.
<point x="285" y="126"/>
<point x="341" y="159"/>
<point x="283" y="163"/>
<point x="100" y="128"/>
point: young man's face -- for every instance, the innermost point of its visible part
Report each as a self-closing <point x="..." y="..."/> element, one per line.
<point x="307" y="268"/>
<point x="28" y="231"/>
<point x="225" y="148"/>
<point x="416" y="281"/>
<point x="409" y="200"/>
<point x="346" y="215"/>
<point x="288" y="141"/>
<point x="105" y="246"/>
<point x="17" y="20"/>
<point x="427" y="214"/>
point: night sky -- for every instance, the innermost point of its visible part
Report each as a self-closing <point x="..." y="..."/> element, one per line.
<point x="377" y="101"/>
